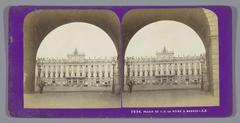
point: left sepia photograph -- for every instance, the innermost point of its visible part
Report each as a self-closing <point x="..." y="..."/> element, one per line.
<point x="71" y="59"/>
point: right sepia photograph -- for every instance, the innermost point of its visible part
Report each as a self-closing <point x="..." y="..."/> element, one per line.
<point x="171" y="58"/>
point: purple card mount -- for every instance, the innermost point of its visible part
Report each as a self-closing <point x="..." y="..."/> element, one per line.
<point x="120" y="61"/>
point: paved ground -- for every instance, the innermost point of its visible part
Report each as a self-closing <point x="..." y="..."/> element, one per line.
<point x="72" y="100"/>
<point x="169" y="98"/>
<point x="160" y="98"/>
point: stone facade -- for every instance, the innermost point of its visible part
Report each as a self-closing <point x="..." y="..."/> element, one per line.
<point x="75" y="71"/>
<point x="166" y="69"/>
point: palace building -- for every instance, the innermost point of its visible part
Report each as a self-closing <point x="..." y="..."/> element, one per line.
<point x="76" y="72"/>
<point x="166" y="69"/>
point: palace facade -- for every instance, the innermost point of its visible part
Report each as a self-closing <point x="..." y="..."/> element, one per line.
<point x="77" y="71"/>
<point x="166" y="69"/>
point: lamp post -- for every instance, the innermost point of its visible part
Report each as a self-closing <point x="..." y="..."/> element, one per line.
<point x="128" y="69"/>
<point x="40" y="83"/>
<point x="39" y="73"/>
<point x="113" y="83"/>
<point x="202" y="84"/>
<point x="129" y="80"/>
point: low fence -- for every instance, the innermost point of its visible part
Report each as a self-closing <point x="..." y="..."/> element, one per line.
<point x="161" y="87"/>
<point x="68" y="89"/>
<point x="126" y="88"/>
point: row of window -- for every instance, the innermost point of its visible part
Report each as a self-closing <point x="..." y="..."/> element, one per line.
<point x="108" y="66"/>
<point x="139" y="65"/>
<point x="74" y="66"/>
<point x="164" y="64"/>
<point x="164" y="72"/>
<point x="75" y="74"/>
<point x="128" y="73"/>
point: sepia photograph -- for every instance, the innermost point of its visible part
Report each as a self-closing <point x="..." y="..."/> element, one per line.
<point x="75" y="64"/>
<point x="168" y="59"/>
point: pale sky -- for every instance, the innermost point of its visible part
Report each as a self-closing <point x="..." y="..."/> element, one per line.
<point x="87" y="38"/>
<point x="94" y="42"/>
<point x="176" y="36"/>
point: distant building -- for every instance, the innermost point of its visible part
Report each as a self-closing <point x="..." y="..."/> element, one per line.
<point x="165" y="69"/>
<point x="78" y="71"/>
<point x="75" y="71"/>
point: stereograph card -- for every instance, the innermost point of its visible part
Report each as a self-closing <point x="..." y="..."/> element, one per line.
<point x="120" y="61"/>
